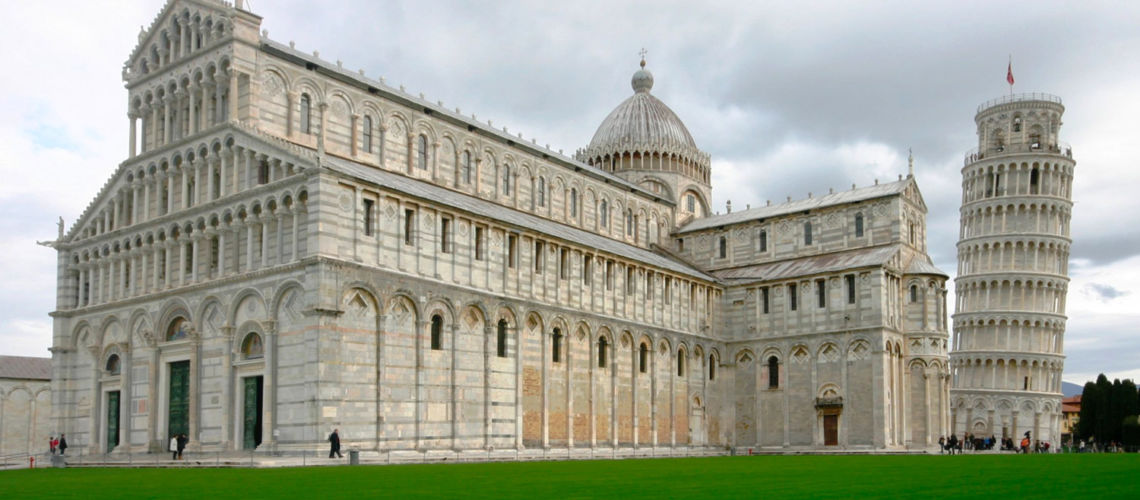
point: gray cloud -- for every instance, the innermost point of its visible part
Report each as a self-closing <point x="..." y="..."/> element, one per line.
<point x="1104" y="293"/>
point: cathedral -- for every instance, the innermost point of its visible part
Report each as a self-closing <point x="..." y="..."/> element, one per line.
<point x="290" y="247"/>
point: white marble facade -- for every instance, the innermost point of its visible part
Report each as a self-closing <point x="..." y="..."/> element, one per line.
<point x="1013" y="266"/>
<point x="291" y="247"/>
<point x="25" y="407"/>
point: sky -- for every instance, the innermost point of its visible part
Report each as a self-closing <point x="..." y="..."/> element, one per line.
<point x="788" y="98"/>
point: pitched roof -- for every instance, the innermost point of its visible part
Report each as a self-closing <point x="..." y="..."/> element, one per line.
<point x="854" y="195"/>
<point x="477" y="206"/>
<point x="25" y="368"/>
<point x="921" y="265"/>
<point x="851" y="259"/>
<point x="436" y="109"/>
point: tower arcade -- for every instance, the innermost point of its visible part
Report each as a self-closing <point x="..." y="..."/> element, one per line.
<point x="1013" y="253"/>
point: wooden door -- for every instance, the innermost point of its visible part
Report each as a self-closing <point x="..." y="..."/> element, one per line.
<point x="830" y="430"/>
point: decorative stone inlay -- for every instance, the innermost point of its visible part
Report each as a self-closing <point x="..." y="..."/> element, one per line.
<point x="271" y="84"/>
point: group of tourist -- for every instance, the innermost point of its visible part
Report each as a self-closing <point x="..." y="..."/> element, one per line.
<point x="976" y="443"/>
<point x="57" y="444"/>
<point x="177" y="445"/>
<point x="1092" y="446"/>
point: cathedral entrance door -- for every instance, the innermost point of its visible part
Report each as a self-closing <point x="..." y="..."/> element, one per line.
<point x="251" y="412"/>
<point x="112" y="420"/>
<point x="830" y="430"/>
<point x="179" y="408"/>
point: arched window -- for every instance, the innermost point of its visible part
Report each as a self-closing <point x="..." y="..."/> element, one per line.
<point x="422" y="152"/>
<point x="680" y="363"/>
<point x="763" y="240"/>
<point x="262" y="173"/>
<point x="251" y="347"/>
<point x="601" y="352"/>
<point x="466" y="167"/>
<point x="113" y="365"/>
<point x="573" y="202"/>
<point x="629" y="222"/>
<point x="723" y="246"/>
<point x="506" y="180"/>
<point x="859" y="225"/>
<point x="914" y="293"/>
<point x="540" y="193"/>
<point x="604" y="214"/>
<point x="367" y="134"/>
<point x="556" y="346"/>
<point x="436" y="332"/>
<point x="773" y="373"/>
<point x="1034" y="180"/>
<point x="712" y="367"/>
<point x="501" y="344"/>
<point x="179" y="329"/>
<point x="643" y="358"/>
<point x="691" y="202"/>
<point x="807" y="233"/>
<point x="306" y="109"/>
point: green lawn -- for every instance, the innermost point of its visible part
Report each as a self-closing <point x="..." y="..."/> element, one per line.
<point x="1003" y="476"/>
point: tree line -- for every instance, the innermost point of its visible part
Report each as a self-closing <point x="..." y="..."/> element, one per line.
<point x="1109" y="412"/>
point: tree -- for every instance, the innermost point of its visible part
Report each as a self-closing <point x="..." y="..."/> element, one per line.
<point x="1129" y="399"/>
<point x="1103" y="423"/>
<point x="1086" y="426"/>
<point x="1115" y="412"/>
<point x="1130" y="432"/>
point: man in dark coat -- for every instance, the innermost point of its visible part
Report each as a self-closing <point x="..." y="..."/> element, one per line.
<point x="334" y="444"/>
<point x="62" y="444"/>
<point x="182" y="440"/>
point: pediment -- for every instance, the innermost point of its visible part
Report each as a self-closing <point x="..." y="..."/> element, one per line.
<point x="198" y="14"/>
<point x="913" y="195"/>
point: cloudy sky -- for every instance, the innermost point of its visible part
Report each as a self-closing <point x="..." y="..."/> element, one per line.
<point x="788" y="97"/>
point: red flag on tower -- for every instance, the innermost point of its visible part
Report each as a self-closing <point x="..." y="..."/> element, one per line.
<point x="1009" y="73"/>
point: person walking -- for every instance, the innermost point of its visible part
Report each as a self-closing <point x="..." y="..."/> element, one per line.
<point x="182" y="440"/>
<point x="174" y="447"/>
<point x="62" y="444"/>
<point x="941" y="444"/>
<point x="51" y="444"/>
<point x="334" y="444"/>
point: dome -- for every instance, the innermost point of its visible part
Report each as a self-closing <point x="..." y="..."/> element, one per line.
<point x="641" y="123"/>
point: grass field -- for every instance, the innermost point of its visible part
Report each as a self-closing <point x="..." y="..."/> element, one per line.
<point x="1007" y="476"/>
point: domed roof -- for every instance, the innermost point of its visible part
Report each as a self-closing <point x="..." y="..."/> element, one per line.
<point x="641" y="123"/>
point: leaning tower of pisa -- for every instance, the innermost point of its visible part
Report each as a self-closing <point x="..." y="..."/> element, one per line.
<point x="1013" y="255"/>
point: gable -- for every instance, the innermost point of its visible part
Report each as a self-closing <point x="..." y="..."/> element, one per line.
<point x="193" y="22"/>
<point x="914" y="196"/>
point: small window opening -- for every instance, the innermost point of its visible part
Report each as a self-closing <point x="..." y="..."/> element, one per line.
<point x="643" y="358"/>
<point x="556" y="346"/>
<point x="602" y="352"/>
<point x="773" y="373"/>
<point x="501" y="345"/>
<point x="821" y="292"/>
<point x="409" y="226"/>
<point x="368" y="207"/>
<point x="436" y="332"/>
